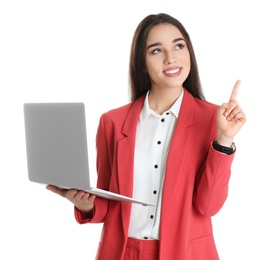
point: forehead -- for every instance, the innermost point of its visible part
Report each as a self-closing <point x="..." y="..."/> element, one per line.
<point x="163" y="33"/>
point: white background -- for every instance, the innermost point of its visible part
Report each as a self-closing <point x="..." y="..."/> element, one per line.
<point x="78" y="51"/>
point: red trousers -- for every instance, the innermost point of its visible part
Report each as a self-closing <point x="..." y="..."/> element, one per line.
<point x="142" y="249"/>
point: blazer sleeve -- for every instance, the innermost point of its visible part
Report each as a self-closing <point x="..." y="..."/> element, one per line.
<point x="99" y="212"/>
<point x="212" y="189"/>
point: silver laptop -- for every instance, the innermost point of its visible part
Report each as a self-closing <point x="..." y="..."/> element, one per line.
<point x="56" y="146"/>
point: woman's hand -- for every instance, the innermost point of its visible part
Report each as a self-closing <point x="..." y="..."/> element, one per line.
<point x="230" y="119"/>
<point x="84" y="201"/>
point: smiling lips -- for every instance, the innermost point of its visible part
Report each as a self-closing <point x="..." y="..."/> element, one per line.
<point x="172" y="72"/>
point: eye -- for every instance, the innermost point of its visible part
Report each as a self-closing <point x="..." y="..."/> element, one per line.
<point x="156" y="51"/>
<point x="179" y="46"/>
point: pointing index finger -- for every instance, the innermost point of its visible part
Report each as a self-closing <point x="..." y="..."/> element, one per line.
<point x="235" y="91"/>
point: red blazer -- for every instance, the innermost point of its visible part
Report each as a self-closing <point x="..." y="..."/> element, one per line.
<point x="195" y="185"/>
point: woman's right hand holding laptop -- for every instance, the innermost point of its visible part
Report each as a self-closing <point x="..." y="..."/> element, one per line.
<point x="82" y="200"/>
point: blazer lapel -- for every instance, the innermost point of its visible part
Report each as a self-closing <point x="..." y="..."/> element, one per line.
<point x="125" y="158"/>
<point x="177" y="150"/>
<point x="126" y="149"/>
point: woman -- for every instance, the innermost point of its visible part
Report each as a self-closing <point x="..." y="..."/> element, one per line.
<point x="168" y="146"/>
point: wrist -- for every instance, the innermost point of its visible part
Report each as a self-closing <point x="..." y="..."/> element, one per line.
<point x="224" y="149"/>
<point x="224" y="141"/>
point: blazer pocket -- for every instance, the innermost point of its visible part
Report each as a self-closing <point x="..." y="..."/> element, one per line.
<point x="203" y="248"/>
<point x="201" y="239"/>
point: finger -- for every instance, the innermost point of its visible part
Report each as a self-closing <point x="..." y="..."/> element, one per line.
<point x="73" y="192"/>
<point x="55" y="189"/>
<point x="81" y="195"/>
<point x="233" y="112"/>
<point x="235" y="91"/>
<point x="76" y="194"/>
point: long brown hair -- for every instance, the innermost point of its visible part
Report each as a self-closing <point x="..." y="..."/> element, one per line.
<point x="139" y="80"/>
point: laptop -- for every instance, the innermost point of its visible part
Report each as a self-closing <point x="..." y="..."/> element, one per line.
<point x="56" y="148"/>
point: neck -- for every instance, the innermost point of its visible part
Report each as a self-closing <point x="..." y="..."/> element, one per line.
<point x="161" y="101"/>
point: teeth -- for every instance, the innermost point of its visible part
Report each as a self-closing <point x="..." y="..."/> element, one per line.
<point x="172" y="71"/>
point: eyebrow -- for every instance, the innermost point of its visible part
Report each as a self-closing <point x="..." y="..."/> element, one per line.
<point x="159" y="43"/>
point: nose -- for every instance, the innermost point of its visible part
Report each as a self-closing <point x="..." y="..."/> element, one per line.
<point x="169" y="57"/>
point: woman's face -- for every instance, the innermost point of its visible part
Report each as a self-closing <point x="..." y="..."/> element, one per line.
<point x="167" y="57"/>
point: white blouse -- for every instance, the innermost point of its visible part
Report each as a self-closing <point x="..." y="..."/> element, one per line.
<point x="153" y="137"/>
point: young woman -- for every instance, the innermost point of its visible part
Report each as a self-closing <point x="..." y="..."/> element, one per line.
<point x="167" y="146"/>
